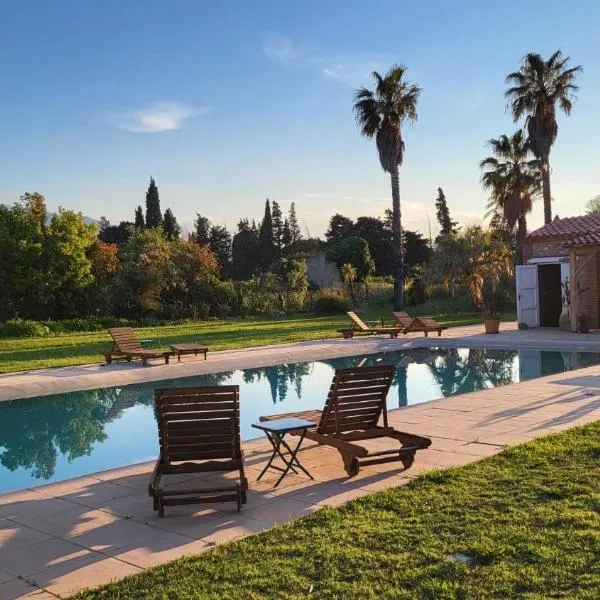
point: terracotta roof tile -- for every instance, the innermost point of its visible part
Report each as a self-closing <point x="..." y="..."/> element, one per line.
<point x="573" y="231"/>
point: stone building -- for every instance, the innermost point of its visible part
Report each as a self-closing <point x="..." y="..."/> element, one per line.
<point x="561" y="266"/>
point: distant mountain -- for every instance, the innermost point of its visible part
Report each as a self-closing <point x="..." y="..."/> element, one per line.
<point x="88" y="220"/>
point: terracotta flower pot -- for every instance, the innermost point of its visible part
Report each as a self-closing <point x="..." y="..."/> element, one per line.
<point x="492" y="324"/>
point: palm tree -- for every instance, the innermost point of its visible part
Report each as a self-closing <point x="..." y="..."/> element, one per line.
<point x="536" y="88"/>
<point x="349" y="275"/>
<point x="380" y="113"/>
<point x="513" y="180"/>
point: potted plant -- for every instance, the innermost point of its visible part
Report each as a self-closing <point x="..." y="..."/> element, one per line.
<point x="492" y="306"/>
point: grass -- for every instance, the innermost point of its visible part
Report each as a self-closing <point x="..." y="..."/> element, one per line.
<point x="21" y="354"/>
<point x="529" y="519"/>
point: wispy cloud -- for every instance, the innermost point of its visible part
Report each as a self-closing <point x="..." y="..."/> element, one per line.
<point x="282" y="49"/>
<point x="163" y="116"/>
<point x="351" y="70"/>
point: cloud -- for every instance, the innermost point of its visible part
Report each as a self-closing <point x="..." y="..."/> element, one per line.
<point x="282" y="49"/>
<point x="163" y="116"/>
<point x="351" y="70"/>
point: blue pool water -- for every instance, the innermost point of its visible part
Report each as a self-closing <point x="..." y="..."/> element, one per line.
<point x="51" y="438"/>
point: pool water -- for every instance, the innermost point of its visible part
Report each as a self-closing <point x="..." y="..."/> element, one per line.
<point x="52" y="438"/>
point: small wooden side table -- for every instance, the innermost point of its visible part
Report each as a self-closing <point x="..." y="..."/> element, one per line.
<point x="181" y="349"/>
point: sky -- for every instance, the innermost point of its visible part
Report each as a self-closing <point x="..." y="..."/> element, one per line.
<point x="226" y="104"/>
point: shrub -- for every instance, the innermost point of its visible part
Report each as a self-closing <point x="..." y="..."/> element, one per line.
<point x="22" y="328"/>
<point x="330" y="302"/>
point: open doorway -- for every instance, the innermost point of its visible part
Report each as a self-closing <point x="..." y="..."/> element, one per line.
<point x="550" y="296"/>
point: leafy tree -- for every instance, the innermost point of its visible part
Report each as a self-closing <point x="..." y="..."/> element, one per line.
<point x="296" y="234"/>
<point x="245" y="252"/>
<point x="353" y="250"/>
<point x="145" y="272"/>
<point x="592" y="207"/>
<point x="416" y="248"/>
<point x="22" y="270"/>
<point x="153" y="215"/>
<point x="202" y="229"/>
<point x="286" y="235"/>
<point x="116" y="234"/>
<point x="139" y="222"/>
<point x="379" y="238"/>
<point x="69" y="270"/>
<point x="170" y="226"/>
<point x="442" y="213"/>
<point x="35" y="205"/>
<point x="296" y="280"/>
<point x="339" y="228"/>
<point x="513" y="179"/>
<point x="380" y="114"/>
<point x="220" y="244"/>
<point x="265" y="239"/>
<point x="536" y="88"/>
<point x="104" y="259"/>
<point x="277" y="219"/>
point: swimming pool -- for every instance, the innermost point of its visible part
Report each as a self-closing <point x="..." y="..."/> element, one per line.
<point x="51" y="438"/>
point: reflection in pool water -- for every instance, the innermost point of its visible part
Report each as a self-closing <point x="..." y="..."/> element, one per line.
<point x="52" y="438"/>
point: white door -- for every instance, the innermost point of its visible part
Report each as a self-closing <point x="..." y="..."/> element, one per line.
<point x="528" y="310"/>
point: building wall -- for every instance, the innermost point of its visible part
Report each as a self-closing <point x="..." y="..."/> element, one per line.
<point x="532" y="249"/>
<point x="323" y="273"/>
<point x="589" y="301"/>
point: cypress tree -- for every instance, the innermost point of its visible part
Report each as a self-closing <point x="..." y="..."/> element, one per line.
<point x="153" y="215"/>
<point x="170" y="226"/>
<point x="220" y="244"/>
<point x="277" y="227"/>
<point x="202" y="229"/>
<point x="265" y="239"/>
<point x="139" y="222"/>
<point x="447" y="225"/>
<point x="286" y="235"/>
<point x="294" y="227"/>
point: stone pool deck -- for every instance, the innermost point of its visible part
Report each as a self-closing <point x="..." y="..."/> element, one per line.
<point x="60" y="538"/>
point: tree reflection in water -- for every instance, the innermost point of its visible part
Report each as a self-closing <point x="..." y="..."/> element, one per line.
<point x="33" y="431"/>
<point x="280" y="377"/>
<point x="461" y="371"/>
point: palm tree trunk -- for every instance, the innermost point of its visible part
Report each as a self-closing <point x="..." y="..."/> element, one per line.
<point x="521" y="233"/>
<point x="546" y="190"/>
<point x="398" y="248"/>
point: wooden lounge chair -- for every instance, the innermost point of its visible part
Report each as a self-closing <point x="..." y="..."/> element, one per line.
<point x="126" y="346"/>
<point x="198" y="432"/>
<point x="403" y="319"/>
<point x="360" y="327"/>
<point x="425" y="324"/>
<point x="354" y="406"/>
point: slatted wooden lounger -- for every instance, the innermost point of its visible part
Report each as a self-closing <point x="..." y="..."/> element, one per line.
<point x="354" y="406"/>
<point x="403" y="319"/>
<point x="425" y="324"/>
<point x="360" y="327"/>
<point x="198" y="432"/>
<point x="126" y="346"/>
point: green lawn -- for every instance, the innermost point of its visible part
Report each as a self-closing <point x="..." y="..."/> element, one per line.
<point x="82" y="348"/>
<point x="529" y="519"/>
